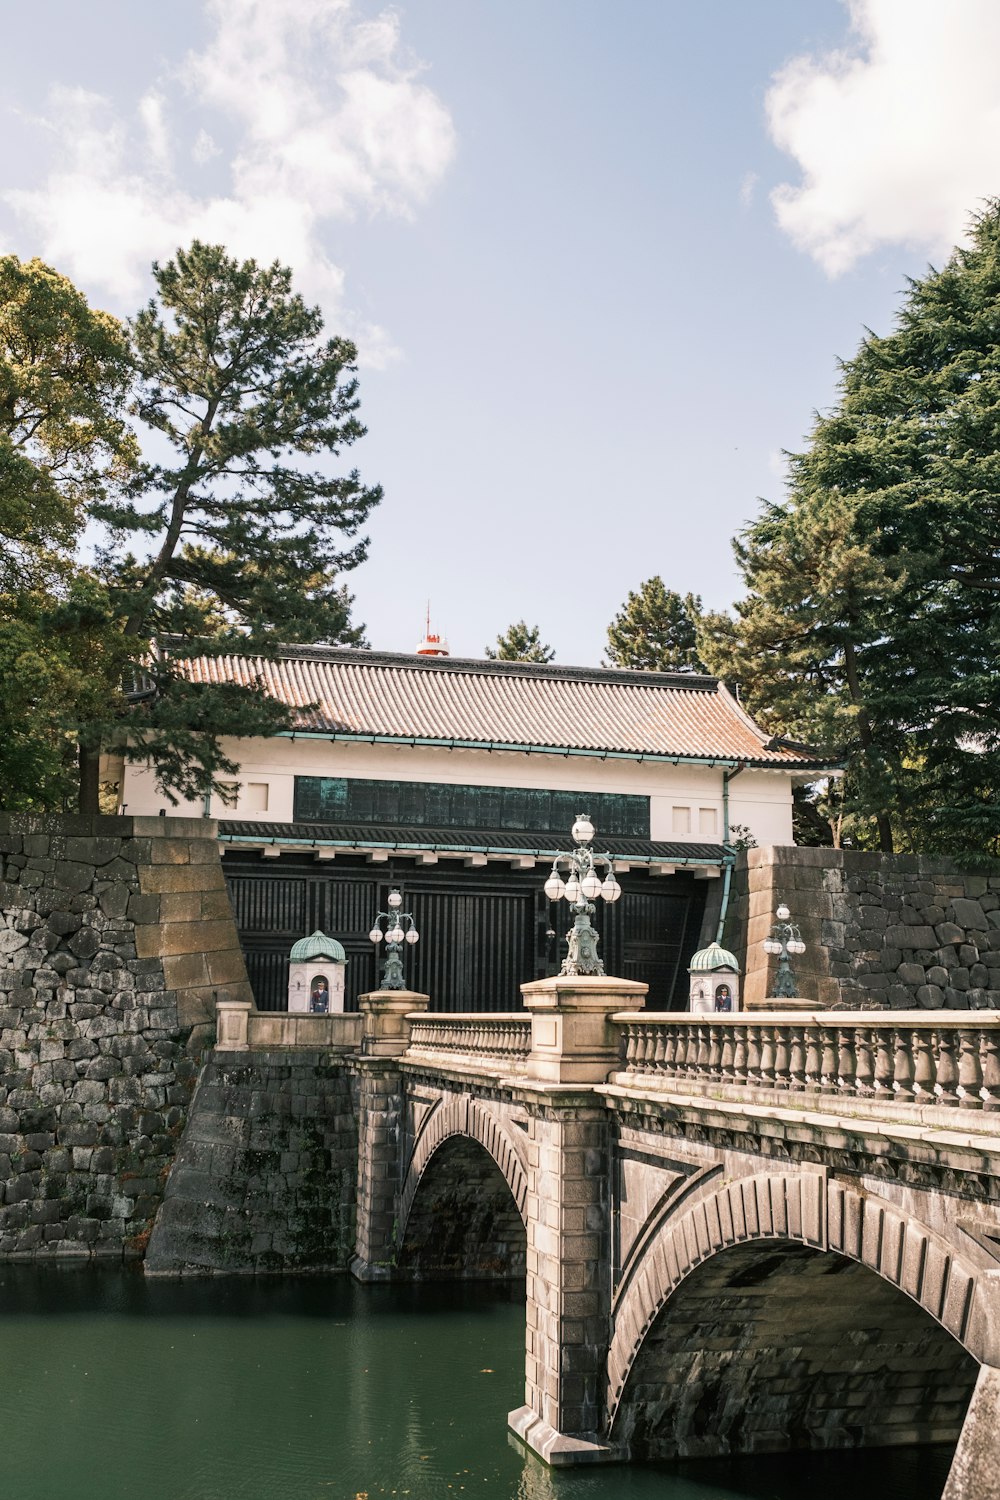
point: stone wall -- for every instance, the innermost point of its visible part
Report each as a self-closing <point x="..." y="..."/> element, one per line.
<point x="901" y="931"/>
<point x="265" y="1176"/>
<point x="114" y="932"/>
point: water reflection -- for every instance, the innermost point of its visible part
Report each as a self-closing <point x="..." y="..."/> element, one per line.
<point x="117" y="1387"/>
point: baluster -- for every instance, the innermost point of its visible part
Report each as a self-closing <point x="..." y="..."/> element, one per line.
<point x="727" y="1055"/>
<point x="659" y="1048"/>
<point x="740" y="1055"/>
<point x="640" y="1047"/>
<point x="828" y="1067"/>
<point x="970" y="1074"/>
<point x="781" y="1056"/>
<point x="703" y="1049"/>
<point x="753" y="1056"/>
<point x="902" y="1072"/>
<point x="846" y="1060"/>
<point x="715" y="1051"/>
<point x="814" y="1058"/>
<point x="991" y="1067"/>
<point x="865" y="1071"/>
<point x="923" y="1065"/>
<point x="685" y="1054"/>
<point x="631" y="1044"/>
<point x="883" y="1063"/>
<point x="690" y="1049"/>
<point x="767" y="1057"/>
<point x="670" y="1048"/>
<point x="680" y="1049"/>
<point x="797" y="1058"/>
<point x="947" y="1071"/>
<point x="647" y="1048"/>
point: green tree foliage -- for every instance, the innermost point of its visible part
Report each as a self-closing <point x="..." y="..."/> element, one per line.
<point x="872" y="619"/>
<point x="228" y="532"/>
<point x="64" y="439"/>
<point x="656" y="631"/>
<point x="520" y="642"/>
<point x="64" y="376"/>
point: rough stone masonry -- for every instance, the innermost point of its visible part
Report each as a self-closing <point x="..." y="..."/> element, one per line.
<point x="115" y="933"/>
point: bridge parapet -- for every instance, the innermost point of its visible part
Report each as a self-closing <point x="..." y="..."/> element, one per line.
<point x="878" y="1058"/>
<point x="481" y="1043"/>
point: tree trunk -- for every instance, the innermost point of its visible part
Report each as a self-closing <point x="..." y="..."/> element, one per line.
<point x="90" y="784"/>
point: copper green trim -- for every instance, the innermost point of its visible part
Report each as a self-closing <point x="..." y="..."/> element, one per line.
<point x="726" y="761"/>
<point x="415" y="848"/>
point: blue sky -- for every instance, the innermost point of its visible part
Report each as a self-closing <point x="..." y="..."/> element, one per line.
<point x="599" y="258"/>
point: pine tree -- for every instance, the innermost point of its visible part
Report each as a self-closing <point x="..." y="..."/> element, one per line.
<point x="877" y="583"/>
<point x="520" y="642"/>
<point x="64" y="440"/>
<point x="225" y="539"/>
<point x="656" y="631"/>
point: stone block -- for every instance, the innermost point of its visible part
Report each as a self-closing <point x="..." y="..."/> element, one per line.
<point x="930" y="996"/>
<point x="159" y="879"/>
<point x="170" y="851"/>
<point x="226" y="966"/>
<point x="949" y="932"/>
<point x="910" y="973"/>
<point x="92" y="851"/>
<point x="968" y="914"/>
<point x="181" y="906"/>
<point x="181" y="971"/>
<point x="143" y="909"/>
<point x="903" y="935"/>
<point x="70" y="876"/>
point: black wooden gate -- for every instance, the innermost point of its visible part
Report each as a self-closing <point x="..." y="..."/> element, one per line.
<point x="482" y="931"/>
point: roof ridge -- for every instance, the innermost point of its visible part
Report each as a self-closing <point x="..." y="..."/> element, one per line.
<point x="472" y="666"/>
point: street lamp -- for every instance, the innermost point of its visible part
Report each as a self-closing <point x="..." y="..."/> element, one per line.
<point x="394" y="935"/>
<point x="582" y="888"/>
<point x="785" y="939"/>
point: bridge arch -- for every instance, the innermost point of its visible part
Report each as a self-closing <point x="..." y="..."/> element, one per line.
<point x="463" y="1204"/>
<point x="769" y="1257"/>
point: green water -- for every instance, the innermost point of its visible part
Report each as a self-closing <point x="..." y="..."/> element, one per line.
<point x="114" y="1388"/>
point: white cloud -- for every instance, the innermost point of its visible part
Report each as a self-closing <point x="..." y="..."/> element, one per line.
<point x="204" y="148"/>
<point x="327" y="117"/>
<point x="897" y="135"/>
<point x="748" y="186"/>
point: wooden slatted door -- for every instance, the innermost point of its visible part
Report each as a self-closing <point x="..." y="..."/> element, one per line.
<point x="475" y="950"/>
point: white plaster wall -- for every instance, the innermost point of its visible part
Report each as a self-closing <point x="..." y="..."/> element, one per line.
<point x="760" y="799"/>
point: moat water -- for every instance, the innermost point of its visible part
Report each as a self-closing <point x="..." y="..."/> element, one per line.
<point x="115" y="1388"/>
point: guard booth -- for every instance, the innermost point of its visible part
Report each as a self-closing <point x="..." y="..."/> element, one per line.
<point x="715" y="982"/>
<point x="316" y="969"/>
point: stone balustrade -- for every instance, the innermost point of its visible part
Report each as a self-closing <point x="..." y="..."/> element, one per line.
<point x="502" y="1038"/>
<point x="901" y="1057"/>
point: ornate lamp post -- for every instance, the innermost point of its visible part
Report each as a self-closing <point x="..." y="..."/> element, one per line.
<point x="785" y="939"/>
<point x="582" y="889"/>
<point x="395" y="936"/>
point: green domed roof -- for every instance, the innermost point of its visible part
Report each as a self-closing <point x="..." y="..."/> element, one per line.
<point x="317" y="946"/>
<point x="712" y="957"/>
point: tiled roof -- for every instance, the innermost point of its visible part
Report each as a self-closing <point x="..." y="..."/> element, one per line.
<point x="463" y="702"/>
<point x="461" y="840"/>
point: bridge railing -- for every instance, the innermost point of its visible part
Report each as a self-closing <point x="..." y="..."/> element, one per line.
<point x="503" y="1039"/>
<point x="897" y="1057"/>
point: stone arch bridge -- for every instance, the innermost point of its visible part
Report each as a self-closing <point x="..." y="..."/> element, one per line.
<point x="740" y="1234"/>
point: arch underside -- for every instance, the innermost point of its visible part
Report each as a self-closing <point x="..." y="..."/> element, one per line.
<point x="464" y="1223"/>
<point x="773" y="1345"/>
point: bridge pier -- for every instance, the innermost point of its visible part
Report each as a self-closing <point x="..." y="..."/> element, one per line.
<point x="573" y="1045"/>
<point x="385" y="1037"/>
<point x="974" y="1473"/>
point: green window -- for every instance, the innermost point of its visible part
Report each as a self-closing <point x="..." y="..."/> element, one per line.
<point x="415" y="804"/>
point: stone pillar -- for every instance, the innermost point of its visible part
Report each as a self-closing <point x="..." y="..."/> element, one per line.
<point x="574" y="1045"/>
<point x="385" y="1037"/>
<point x="975" y="1473"/>
<point x="233" y="1023"/>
